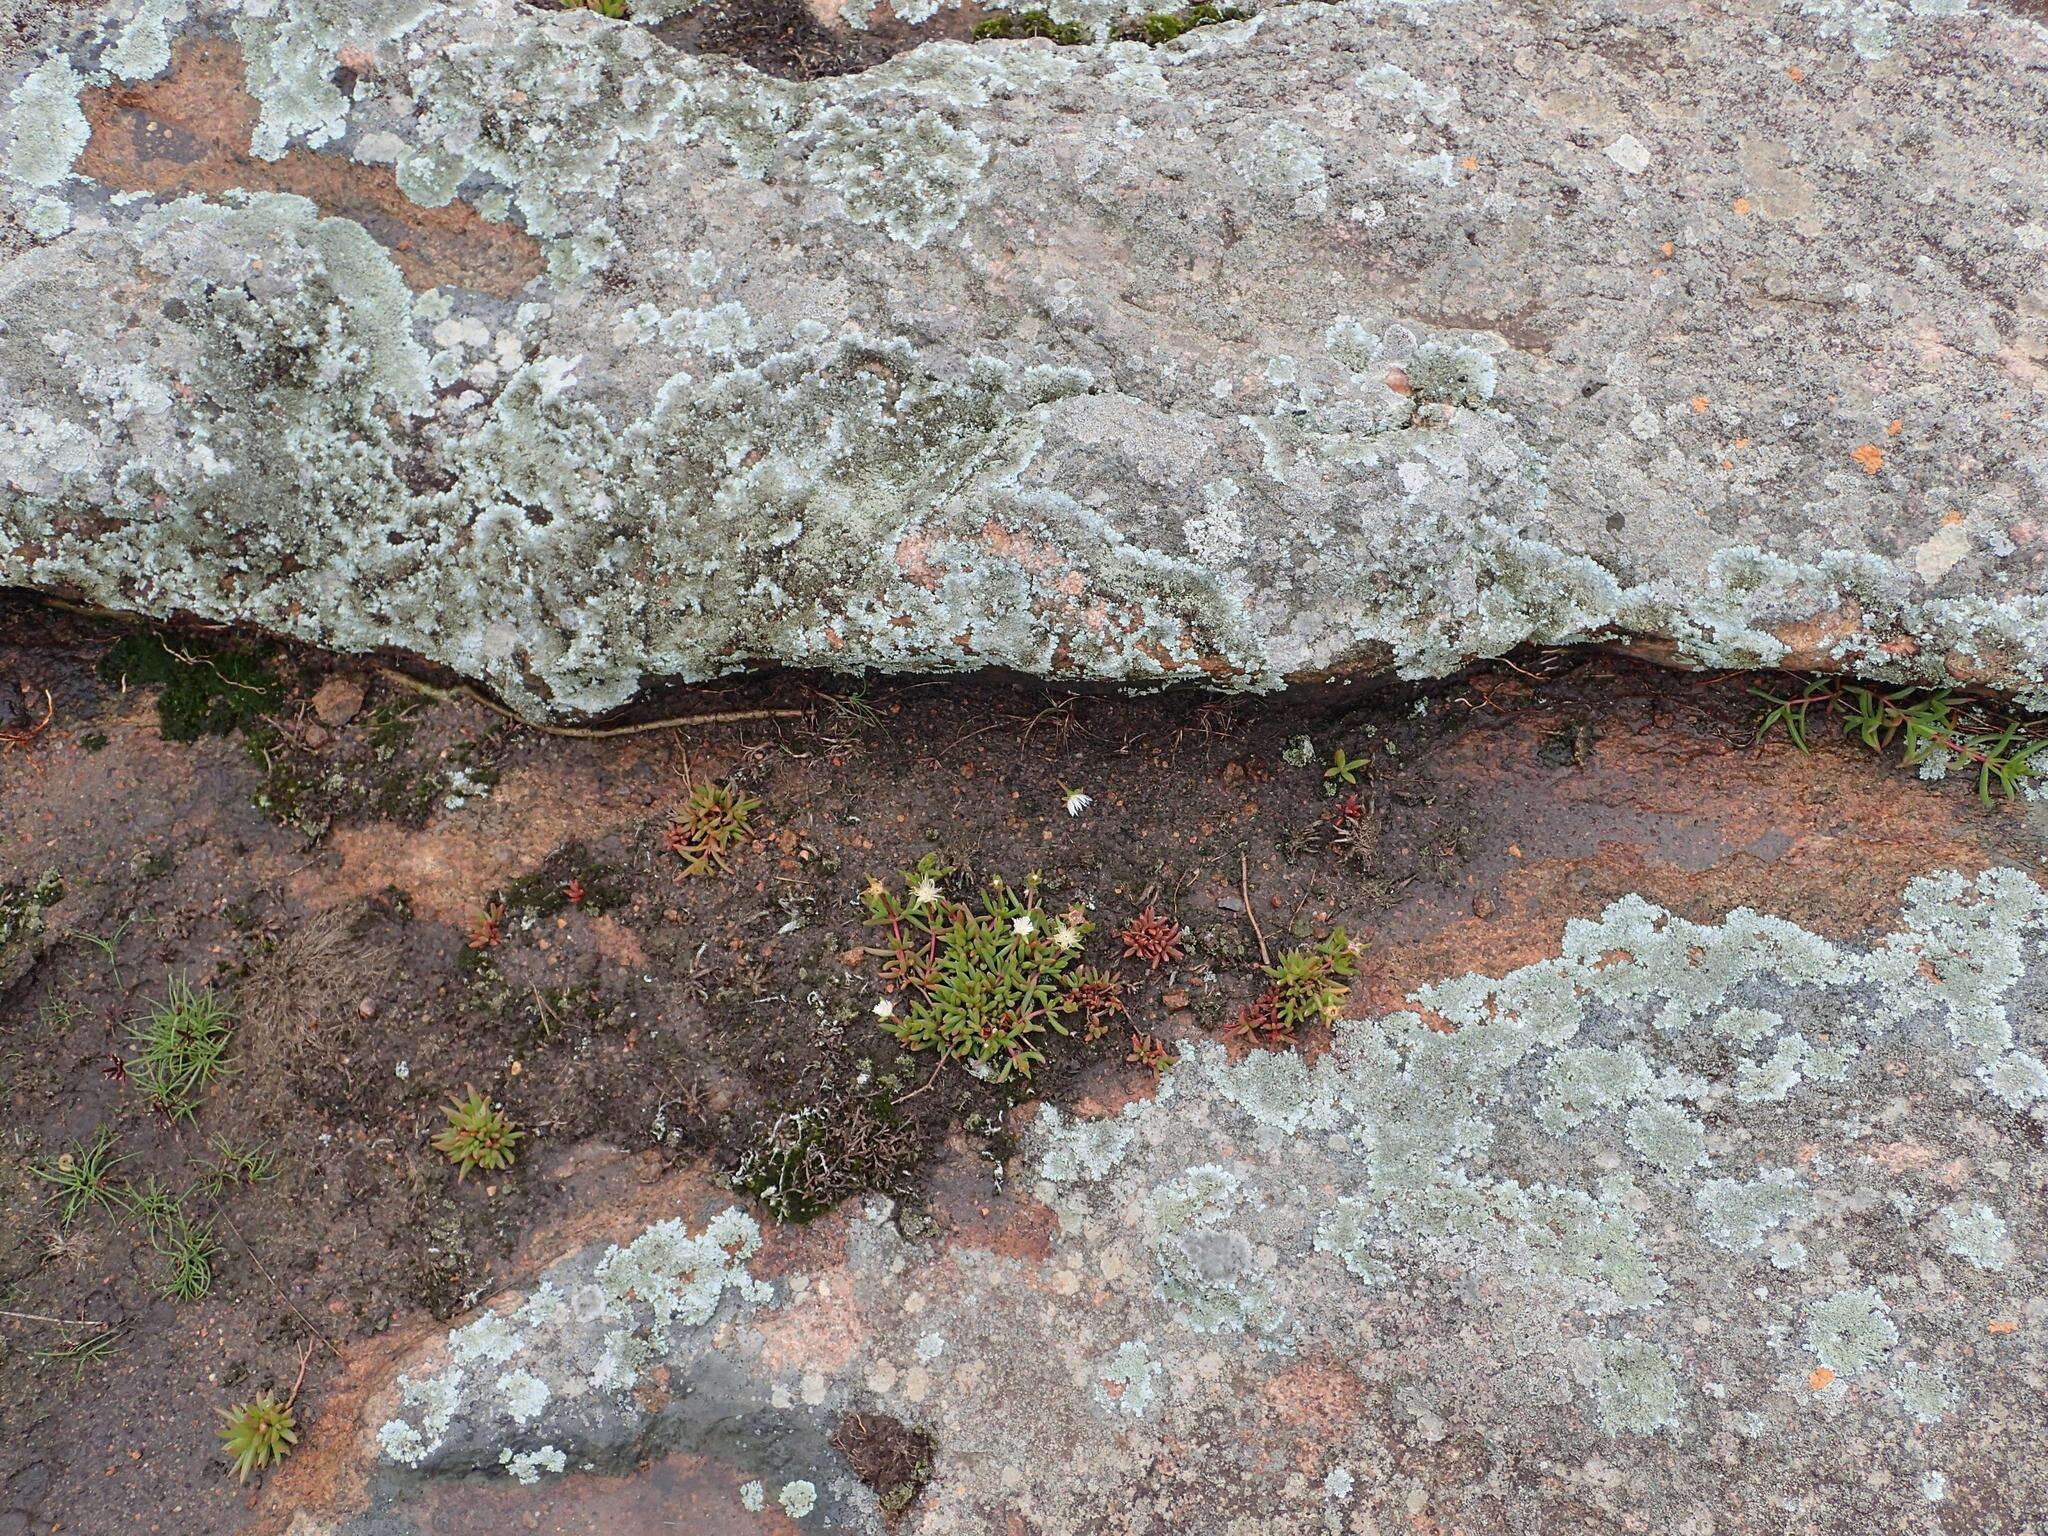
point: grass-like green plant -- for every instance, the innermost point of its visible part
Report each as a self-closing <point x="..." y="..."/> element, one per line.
<point x="258" y="1434"/>
<point x="84" y="1345"/>
<point x="1307" y="985"/>
<point x="181" y="1046"/>
<point x="188" y="1251"/>
<point x="152" y="1204"/>
<point x="980" y="987"/>
<point x="479" y="1135"/>
<point x="713" y="822"/>
<point x="234" y="1163"/>
<point x="82" y="1176"/>
<point x="1933" y="729"/>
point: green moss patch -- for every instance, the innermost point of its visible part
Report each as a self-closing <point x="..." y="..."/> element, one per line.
<point x="204" y="689"/>
<point x="1154" y="29"/>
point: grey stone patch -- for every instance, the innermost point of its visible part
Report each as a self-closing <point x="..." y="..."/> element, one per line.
<point x="1338" y="338"/>
<point x="554" y="1376"/>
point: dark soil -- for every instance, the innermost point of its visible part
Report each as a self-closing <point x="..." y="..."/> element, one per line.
<point x="401" y="895"/>
<point x="889" y="1456"/>
<point x="783" y="37"/>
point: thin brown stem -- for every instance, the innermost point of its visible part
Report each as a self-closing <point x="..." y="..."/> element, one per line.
<point x="61" y="1322"/>
<point x="1245" y="894"/>
<point x="582" y="732"/>
<point x="281" y="1296"/>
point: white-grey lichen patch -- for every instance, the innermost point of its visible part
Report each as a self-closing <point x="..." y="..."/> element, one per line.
<point x="798" y="1498"/>
<point x="1128" y="1381"/>
<point x="1850" y="1331"/>
<point x="1634" y="1388"/>
<point x="912" y="177"/>
<point x="45" y="127"/>
<point x="559" y="1366"/>
<point x="1977" y="1233"/>
<point x="1871" y="26"/>
<point x="527" y="1466"/>
<point x="1409" y="1119"/>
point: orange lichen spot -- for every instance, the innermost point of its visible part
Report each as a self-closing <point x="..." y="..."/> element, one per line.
<point x="1894" y="428"/>
<point x="1469" y="163"/>
<point x="1794" y="73"/>
<point x="1740" y="442"/>
<point x="2002" y="1325"/>
<point x="1667" y="249"/>
<point x="1819" y="1377"/>
<point x="1699" y="405"/>
<point x="1951" y="519"/>
<point x="1742" y="206"/>
<point x="1870" y="456"/>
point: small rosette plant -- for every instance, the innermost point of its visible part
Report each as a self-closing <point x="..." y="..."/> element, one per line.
<point x="479" y="1135"/>
<point x="258" y="1434"/>
<point x="979" y="986"/>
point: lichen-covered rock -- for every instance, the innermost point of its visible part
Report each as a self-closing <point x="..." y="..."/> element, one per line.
<point x="1372" y="335"/>
<point x="1532" y="1255"/>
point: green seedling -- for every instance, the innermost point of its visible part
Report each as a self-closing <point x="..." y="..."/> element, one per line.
<point x="713" y="822"/>
<point x="1307" y="985"/>
<point x="1343" y="770"/>
<point x="258" y="1434"/>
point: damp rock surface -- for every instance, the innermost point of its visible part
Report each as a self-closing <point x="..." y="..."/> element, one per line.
<point x="1357" y="337"/>
<point x="1693" y="1226"/>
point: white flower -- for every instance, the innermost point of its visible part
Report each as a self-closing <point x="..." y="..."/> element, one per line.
<point x="886" y="1008"/>
<point x="1064" y="937"/>
<point x="1077" y="801"/>
<point x="925" y="892"/>
<point x="1022" y="926"/>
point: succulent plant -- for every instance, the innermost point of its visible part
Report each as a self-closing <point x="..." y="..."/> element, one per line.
<point x="712" y="823"/>
<point x="479" y="1135"/>
<point x="259" y="1433"/>
<point x="1152" y="939"/>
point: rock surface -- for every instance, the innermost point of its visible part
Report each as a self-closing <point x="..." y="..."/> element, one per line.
<point x="1343" y="337"/>
<point x="1693" y="1227"/>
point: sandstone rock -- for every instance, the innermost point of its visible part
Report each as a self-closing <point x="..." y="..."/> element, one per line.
<point x="338" y="700"/>
<point x="1366" y="336"/>
<point x="1690" y="1227"/>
